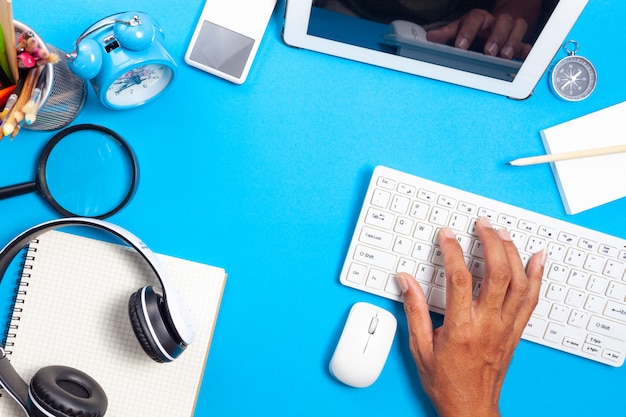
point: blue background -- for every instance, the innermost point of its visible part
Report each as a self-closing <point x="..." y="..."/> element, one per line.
<point x="265" y="179"/>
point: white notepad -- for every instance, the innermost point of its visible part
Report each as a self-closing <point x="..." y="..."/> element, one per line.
<point x="586" y="183"/>
<point x="72" y="310"/>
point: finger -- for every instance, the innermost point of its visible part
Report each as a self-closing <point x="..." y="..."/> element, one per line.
<point x="417" y="315"/>
<point x="517" y="292"/>
<point x="534" y="272"/>
<point x="471" y="25"/>
<point x="500" y="34"/>
<point x="514" y="46"/>
<point x="459" y="283"/>
<point x="495" y="284"/>
<point x="444" y="34"/>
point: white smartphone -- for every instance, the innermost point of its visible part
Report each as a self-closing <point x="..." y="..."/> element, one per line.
<point x="227" y="37"/>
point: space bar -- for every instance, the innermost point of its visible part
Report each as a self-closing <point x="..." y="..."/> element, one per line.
<point x="374" y="257"/>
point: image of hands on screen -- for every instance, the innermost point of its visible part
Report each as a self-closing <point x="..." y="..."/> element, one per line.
<point x="499" y="28"/>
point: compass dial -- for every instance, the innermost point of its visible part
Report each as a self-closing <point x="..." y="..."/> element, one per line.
<point x="574" y="78"/>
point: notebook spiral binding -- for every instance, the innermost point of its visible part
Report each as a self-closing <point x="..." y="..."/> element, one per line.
<point x="18" y="299"/>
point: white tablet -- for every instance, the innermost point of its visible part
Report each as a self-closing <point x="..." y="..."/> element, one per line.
<point x="398" y="41"/>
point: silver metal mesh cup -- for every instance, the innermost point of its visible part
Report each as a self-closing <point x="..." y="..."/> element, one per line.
<point x="63" y="95"/>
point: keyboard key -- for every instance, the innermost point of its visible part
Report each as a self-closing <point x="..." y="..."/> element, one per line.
<point x="587" y="244"/>
<point x="406" y="189"/>
<point x="439" y="216"/>
<point x="616" y="290"/>
<point x="374" y="257"/>
<point x="527" y="226"/>
<point x="607" y="327"/>
<point x="402" y="245"/>
<point x="594" y="263"/>
<point x="594" y="303"/>
<point x="403" y="226"/>
<point x="437" y="298"/>
<point x="392" y="286"/>
<point x="558" y="272"/>
<point x="356" y="273"/>
<point x="422" y="251"/>
<point x="615" y="310"/>
<point x="426" y="195"/>
<point x="535" y="327"/>
<point x="458" y="222"/>
<point x="556" y="292"/>
<point x="574" y="257"/>
<point x="546" y="232"/>
<point x="379" y="218"/>
<point x="425" y="273"/>
<point x="613" y="269"/>
<point x="575" y="298"/>
<point x="380" y="198"/>
<point x="554" y="333"/>
<point x="578" y="278"/>
<point x="376" y="238"/>
<point x="406" y="265"/>
<point x="376" y="279"/>
<point x="467" y="208"/>
<point x="578" y="318"/>
<point x="423" y="232"/>
<point x="400" y="204"/>
<point x="446" y="201"/>
<point x="419" y="210"/>
<point x="387" y="183"/>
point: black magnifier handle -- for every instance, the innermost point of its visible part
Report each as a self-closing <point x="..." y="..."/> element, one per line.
<point x="18" y="189"/>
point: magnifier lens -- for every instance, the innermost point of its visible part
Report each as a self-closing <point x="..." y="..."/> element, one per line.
<point x="89" y="173"/>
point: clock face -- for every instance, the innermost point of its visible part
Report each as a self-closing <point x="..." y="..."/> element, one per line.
<point x="138" y="85"/>
<point x="574" y="78"/>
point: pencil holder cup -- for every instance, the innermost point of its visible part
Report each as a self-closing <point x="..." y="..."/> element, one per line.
<point x="63" y="94"/>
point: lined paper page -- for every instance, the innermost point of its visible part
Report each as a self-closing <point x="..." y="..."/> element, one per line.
<point x="75" y="313"/>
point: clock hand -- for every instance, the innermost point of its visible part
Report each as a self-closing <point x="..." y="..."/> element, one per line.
<point x="131" y="82"/>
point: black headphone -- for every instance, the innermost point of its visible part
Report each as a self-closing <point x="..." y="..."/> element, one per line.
<point x="161" y="323"/>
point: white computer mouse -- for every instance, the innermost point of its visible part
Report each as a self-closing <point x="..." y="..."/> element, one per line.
<point x="408" y="31"/>
<point x="364" y="345"/>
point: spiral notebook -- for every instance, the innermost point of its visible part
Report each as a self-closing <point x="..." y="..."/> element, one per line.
<point x="71" y="309"/>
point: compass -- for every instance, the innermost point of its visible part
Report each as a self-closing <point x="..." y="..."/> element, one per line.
<point x="574" y="77"/>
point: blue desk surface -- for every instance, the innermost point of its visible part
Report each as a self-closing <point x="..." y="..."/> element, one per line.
<point x="266" y="179"/>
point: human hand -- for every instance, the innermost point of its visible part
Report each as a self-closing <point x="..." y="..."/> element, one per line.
<point x="462" y="364"/>
<point x="503" y="35"/>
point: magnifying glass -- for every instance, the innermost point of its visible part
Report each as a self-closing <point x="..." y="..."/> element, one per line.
<point x="84" y="170"/>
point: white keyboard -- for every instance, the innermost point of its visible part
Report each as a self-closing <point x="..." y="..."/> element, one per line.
<point x="582" y="308"/>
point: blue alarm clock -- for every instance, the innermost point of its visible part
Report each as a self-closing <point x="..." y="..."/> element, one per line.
<point x="125" y="60"/>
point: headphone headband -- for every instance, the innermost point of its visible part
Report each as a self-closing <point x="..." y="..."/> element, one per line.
<point x="180" y="315"/>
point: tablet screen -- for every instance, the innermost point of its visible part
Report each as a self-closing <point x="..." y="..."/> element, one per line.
<point x="430" y="37"/>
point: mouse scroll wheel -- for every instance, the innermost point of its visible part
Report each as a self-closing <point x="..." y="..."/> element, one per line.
<point x="373" y="325"/>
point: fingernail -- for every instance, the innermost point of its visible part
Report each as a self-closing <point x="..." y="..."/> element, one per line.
<point x="463" y="43"/>
<point x="485" y="222"/>
<point x="448" y="233"/>
<point x="504" y="234"/>
<point x="507" y="52"/>
<point x="543" y="257"/>
<point x="402" y="283"/>
<point x="492" y="48"/>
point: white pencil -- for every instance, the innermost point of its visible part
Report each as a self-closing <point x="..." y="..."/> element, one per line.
<point x="585" y="153"/>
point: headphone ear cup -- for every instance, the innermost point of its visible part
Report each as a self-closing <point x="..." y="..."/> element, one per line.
<point x="65" y="392"/>
<point x="152" y="326"/>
